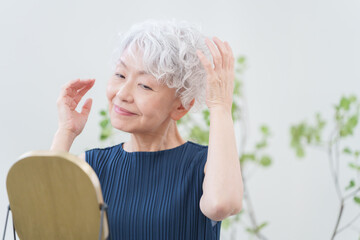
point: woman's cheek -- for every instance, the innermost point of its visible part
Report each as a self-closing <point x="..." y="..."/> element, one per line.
<point x="111" y="91"/>
<point x="108" y="92"/>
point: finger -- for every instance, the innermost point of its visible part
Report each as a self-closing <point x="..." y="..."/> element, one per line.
<point x="205" y="62"/>
<point x="232" y="59"/>
<point x="82" y="91"/>
<point x="224" y="52"/>
<point x="216" y="55"/>
<point x="85" y="110"/>
<point x="66" y="88"/>
<point x="71" y="87"/>
<point x="81" y="82"/>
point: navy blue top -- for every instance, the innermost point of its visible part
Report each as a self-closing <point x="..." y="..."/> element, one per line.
<point x="154" y="195"/>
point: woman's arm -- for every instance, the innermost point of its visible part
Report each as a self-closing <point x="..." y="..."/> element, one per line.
<point x="71" y="122"/>
<point x="62" y="141"/>
<point x="222" y="185"/>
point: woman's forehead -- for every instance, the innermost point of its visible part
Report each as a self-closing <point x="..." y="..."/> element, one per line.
<point x="133" y="59"/>
<point x="129" y="63"/>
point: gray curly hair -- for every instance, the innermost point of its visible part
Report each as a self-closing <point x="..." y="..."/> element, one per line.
<point x="169" y="54"/>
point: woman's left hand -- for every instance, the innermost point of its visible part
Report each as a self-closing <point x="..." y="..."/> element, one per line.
<point x="220" y="79"/>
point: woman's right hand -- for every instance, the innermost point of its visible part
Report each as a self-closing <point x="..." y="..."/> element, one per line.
<point x="71" y="121"/>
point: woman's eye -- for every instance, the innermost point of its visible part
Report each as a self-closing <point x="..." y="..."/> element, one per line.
<point x="119" y="75"/>
<point x="122" y="76"/>
<point x="146" y="87"/>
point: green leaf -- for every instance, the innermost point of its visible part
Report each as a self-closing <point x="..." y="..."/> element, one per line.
<point x="104" y="123"/>
<point x="300" y="152"/>
<point x="265" y="161"/>
<point x="345" y="131"/>
<point x="250" y="230"/>
<point x="256" y="229"/>
<point x="347" y="150"/>
<point x="352" y="122"/>
<point x="206" y="116"/>
<point x="247" y="157"/>
<point x="320" y="122"/>
<point x="345" y="103"/>
<point x="357" y="199"/>
<point x="236" y="88"/>
<point x="226" y="223"/>
<point x="262" y="225"/>
<point x="354" y="166"/>
<point x="265" y="130"/>
<point x="199" y="135"/>
<point x="105" y="133"/>
<point x="352" y="98"/>
<point x="261" y="144"/>
<point x="103" y="113"/>
<point x="241" y="59"/>
<point x="184" y="119"/>
<point x="237" y="217"/>
<point x="351" y="185"/>
<point x="233" y="109"/>
<point x="103" y="137"/>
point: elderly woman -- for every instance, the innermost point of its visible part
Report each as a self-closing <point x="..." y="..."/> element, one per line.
<point x="157" y="185"/>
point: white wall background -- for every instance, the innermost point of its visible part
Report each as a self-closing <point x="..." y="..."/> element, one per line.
<point x="302" y="56"/>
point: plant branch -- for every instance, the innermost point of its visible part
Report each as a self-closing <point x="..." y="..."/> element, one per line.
<point x="351" y="194"/>
<point x="251" y="210"/>
<point x="337" y="159"/>
<point x="332" y="169"/>
<point x="338" y="220"/>
<point x="348" y="225"/>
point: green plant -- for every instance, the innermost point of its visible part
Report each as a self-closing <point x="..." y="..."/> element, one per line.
<point x="346" y="118"/>
<point x="106" y="129"/>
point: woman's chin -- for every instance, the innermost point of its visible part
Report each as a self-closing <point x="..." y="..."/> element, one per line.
<point x="120" y="124"/>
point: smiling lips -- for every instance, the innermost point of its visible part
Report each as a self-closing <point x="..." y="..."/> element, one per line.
<point x="123" y="111"/>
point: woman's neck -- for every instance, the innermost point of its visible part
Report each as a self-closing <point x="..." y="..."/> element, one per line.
<point x="167" y="139"/>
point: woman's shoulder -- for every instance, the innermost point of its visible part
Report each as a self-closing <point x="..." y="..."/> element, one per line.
<point x="100" y="152"/>
<point x="107" y="148"/>
<point x="95" y="155"/>
<point x="197" y="147"/>
<point x="201" y="152"/>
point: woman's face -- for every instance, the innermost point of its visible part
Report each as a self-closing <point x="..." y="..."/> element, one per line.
<point x="153" y="104"/>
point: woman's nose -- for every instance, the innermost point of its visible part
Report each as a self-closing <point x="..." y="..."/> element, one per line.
<point x="125" y="92"/>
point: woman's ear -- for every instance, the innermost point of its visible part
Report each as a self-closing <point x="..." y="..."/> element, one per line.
<point x="180" y="111"/>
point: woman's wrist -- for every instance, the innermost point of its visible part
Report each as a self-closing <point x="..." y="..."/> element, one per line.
<point x="63" y="140"/>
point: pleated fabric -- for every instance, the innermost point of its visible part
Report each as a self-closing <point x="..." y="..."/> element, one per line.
<point x="154" y="195"/>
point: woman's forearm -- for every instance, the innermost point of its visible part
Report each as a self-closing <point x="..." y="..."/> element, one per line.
<point x="222" y="186"/>
<point x="62" y="141"/>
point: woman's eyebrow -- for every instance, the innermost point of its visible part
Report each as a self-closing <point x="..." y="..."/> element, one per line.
<point x="142" y="72"/>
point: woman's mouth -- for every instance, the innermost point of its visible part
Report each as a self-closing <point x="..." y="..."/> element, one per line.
<point x="122" y="111"/>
